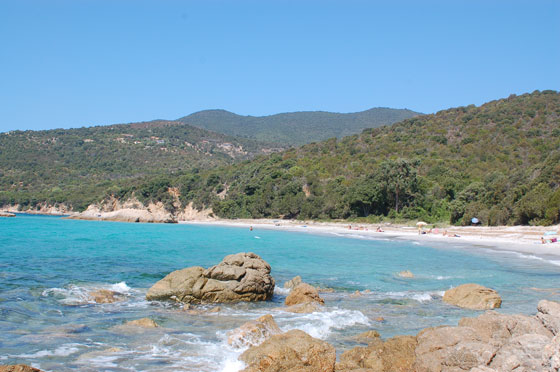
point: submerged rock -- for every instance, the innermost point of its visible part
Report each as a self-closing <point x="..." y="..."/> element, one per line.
<point x="368" y="335"/>
<point x="105" y="296"/>
<point x="292" y="283"/>
<point x="303" y="293"/>
<point x="291" y="351"/>
<point x="254" y="332"/>
<point x="143" y="322"/>
<point x="239" y="277"/>
<point x="406" y="274"/>
<point x="473" y="296"/>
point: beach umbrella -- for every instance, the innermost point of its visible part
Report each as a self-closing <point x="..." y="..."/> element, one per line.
<point x="421" y="223"/>
<point x="474" y="220"/>
<point x="550" y="233"/>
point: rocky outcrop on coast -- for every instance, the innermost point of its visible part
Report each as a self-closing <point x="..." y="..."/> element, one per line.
<point x="239" y="277"/>
<point x="6" y="214"/>
<point x="291" y="351"/>
<point x="491" y="342"/>
<point x="132" y="210"/>
<point x="473" y="296"/>
<point x="254" y="332"/>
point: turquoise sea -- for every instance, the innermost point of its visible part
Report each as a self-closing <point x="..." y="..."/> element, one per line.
<point x="48" y="265"/>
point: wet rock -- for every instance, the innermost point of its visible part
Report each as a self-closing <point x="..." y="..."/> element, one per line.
<point x="356" y="294"/>
<point x="143" y="322"/>
<point x="18" y="368"/>
<point x="549" y="314"/>
<point x="85" y="357"/>
<point x="303" y="293"/>
<point x="325" y="290"/>
<point x="290" y="352"/>
<point x="406" y="274"/>
<point x="394" y="355"/>
<point x="254" y="332"/>
<point x="473" y="296"/>
<point x="305" y="308"/>
<point x="368" y="335"/>
<point x="105" y="296"/>
<point x="6" y="214"/>
<point x="292" y="283"/>
<point x="239" y="277"/>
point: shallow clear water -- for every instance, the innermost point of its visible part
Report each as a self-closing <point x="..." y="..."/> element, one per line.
<point x="47" y="266"/>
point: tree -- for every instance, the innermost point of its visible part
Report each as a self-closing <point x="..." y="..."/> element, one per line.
<point x="399" y="180"/>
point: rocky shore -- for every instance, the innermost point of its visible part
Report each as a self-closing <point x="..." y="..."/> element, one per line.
<point x="6" y="214"/>
<point x="490" y="342"/>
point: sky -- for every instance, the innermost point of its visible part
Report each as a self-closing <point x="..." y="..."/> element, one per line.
<point x="94" y="62"/>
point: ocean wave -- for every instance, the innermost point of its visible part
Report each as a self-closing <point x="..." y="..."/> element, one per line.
<point x="75" y="295"/>
<point x="61" y="351"/>
<point x="321" y="324"/>
<point x="281" y="291"/>
<point x="422" y="297"/>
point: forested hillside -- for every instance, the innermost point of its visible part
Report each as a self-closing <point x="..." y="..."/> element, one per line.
<point x="499" y="162"/>
<point x="296" y="128"/>
<point x="79" y="166"/>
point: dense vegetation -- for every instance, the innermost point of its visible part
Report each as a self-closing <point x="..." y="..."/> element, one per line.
<point x="79" y="166"/>
<point x="295" y="128"/>
<point x="499" y="162"/>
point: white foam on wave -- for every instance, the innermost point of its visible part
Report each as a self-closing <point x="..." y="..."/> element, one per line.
<point x="321" y="324"/>
<point x="61" y="351"/>
<point x="417" y="296"/>
<point x="281" y="291"/>
<point x="73" y="294"/>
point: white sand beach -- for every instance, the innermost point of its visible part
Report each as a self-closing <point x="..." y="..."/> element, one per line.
<point x="521" y="239"/>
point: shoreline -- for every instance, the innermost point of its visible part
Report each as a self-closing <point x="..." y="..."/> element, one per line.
<point x="518" y="239"/>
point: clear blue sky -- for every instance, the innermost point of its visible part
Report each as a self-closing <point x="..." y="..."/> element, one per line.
<point x="91" y="62"/>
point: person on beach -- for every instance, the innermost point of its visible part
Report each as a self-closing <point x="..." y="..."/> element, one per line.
<point x="250" y="228"/>
<point x="379" y="229"/>
<point x="542" y="240"/>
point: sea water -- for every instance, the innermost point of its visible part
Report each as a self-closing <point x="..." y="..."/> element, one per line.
<point x="48" y="265"/>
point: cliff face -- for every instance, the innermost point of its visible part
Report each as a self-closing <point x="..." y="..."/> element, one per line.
<point x="132" y="210"/>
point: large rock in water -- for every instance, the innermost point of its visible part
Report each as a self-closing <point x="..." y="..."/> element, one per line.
<point x="239" y="277"/>
<point x="293" y="351"/>
<point x="473" y="296"/>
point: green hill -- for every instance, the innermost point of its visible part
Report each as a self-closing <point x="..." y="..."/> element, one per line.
<point x="295" y="128"/>
<point x="78" y="166"/>
<point x="499" y="162"/>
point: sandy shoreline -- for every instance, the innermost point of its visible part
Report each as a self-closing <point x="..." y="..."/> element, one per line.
<point x="521" y="239"/>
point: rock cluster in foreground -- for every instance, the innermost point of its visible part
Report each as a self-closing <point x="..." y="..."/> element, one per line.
<point x="491" y="342"/>
<point x="239" y="277"/>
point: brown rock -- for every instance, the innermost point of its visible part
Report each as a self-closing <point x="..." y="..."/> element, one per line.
<point x="394" y="355"/>
<point x="239" y="277"/>
<point x="303" y="293"/>
<point x="473" y="296"/>
<point x="305" y="308"/>
<point x="551" y="355"/>
<point x="143" y="322"/>
<point x="356" y="294"/>
<point x="549" y="314"/>
<point x="254" y="332"/>
<point x="105" y="296"/>
<point x="521" y="353"/>
<point x="368" y="335"/>
<point x="293" y="351"/>
<point x="18" y="368"/>
<point x="406" y="274"/>
<point x="325" y="290"/>
<point x="292" y="283"/>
